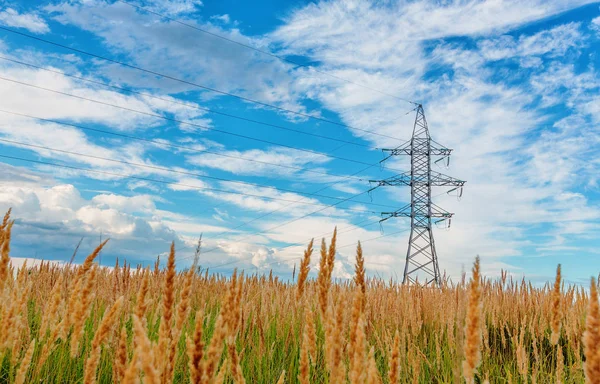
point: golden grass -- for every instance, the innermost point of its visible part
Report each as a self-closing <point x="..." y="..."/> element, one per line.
<point x="132" y="325"/>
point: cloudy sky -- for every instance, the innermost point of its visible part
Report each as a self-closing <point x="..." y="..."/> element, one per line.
<point x="155" y="121"/>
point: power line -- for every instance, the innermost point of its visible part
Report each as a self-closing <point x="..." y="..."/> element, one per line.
<point x="175" y="146"/>
<point x="193" y="106"/>
<point x="165" y="169"/>
<point x="186" y="122"/>
<point x="175" y="183"/>
<point x="284" y="59"/>
<point x="192" y="83"/>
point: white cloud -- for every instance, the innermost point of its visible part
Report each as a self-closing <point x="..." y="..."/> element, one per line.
<point x="596" y="23"/>
<point x="225" y="19"/>
<point x="143" y="38"/>
<point x="30" y="21"/>
<point x="174" y="7"/>
<point x="555" y="42"/>
<point x="273" y="162"/>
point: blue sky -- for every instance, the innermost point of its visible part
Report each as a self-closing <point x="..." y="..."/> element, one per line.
<point x="513" y="88"/>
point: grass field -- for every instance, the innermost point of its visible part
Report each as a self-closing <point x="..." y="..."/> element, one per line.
<point x="128" y="325"/>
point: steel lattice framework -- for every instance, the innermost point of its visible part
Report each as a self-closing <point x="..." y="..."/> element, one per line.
<point x="421" y="257"/>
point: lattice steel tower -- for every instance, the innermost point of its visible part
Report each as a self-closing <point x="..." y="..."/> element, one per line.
<point x="421" y="257"/>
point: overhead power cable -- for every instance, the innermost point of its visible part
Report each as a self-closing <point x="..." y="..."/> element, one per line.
<point x="282" y="58"/>
<point x="187" y="122"/>
<point x="193" y="106"/>
<point x="161" y="143"/>
<point x="193" y="84"/>
<point x="190" y="186"/>
<point x="180" y="172"/>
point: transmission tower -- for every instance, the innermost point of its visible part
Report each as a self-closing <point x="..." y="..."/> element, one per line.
<point x="421" y="257"/>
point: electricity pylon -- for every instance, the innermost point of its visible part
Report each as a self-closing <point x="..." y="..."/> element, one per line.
<point x="421" y="257"/>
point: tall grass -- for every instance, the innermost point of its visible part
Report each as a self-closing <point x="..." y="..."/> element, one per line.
<point x="70" y="324"/>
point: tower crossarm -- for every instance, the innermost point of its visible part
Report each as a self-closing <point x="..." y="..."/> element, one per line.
<point x="407" y="150"/>
<point x="406" y="211"/>
<point x="434" y="179"/>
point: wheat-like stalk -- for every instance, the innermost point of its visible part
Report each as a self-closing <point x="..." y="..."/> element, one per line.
<point x="236" y="369"/>
<point x="5" y="249"/>
<point x="556" y="312"/>
<point x="120" y="364"/>
<point x="165" y="331"/>
<point x="359" y="358"/>
<point x="473" y="325"/>
<point x="24" y="367"/>
<point x="101" y="334"/>
<point x="591" y="337"/>
<point x="281" y="378"/>
<point x="142" y="305"/>
<point x="323" y="280"/>
<point x="394" y="361"/>
<point x="195" y="350"/>
<point x="304" y="364"/>
<point x="145" y="353"/>
<point x="559" y="365"/>
<point x="304" y="269"/>
<point x="82" y="311"/>
<point x="373" y="376"/>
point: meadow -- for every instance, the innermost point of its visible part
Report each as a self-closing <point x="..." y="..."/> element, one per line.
<point x="90" y="324"/>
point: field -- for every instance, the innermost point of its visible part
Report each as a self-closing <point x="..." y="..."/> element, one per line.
<point x="73" y="324"/>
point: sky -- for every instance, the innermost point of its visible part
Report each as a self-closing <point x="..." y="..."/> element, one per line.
<point x="259" y="125"/>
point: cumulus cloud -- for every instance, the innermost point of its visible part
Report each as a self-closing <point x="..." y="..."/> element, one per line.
<point x="30" y="21"/>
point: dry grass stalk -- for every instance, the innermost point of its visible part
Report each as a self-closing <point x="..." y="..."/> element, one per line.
<point x="5" y="249"/>
<point x="142" y="304"/>
<point x="373" y="376"/>
<point x="559" y="365"/>
<point x="221" y="375"/>
<point x="222" y="329"/>
<point x="281" y="378"/>
<point x="82" y="311"/>
<point x="51" y="309"/>
<point x="182" y="313"/>
<point x="591" y="338"/>
<point x="165" y="331"/>
<point x="120" y="364"/>
<point x="133" y="370"/>
<point x="394" y="361"/>
<point x="24" y="367"/>
<point x="337" y="369"/>
<point x="311" y="334"/>
<point x="359" y="296"/>
<point x="359" y="270"/>
<point x="323" y="280"/>
<point x="556" y="312"/>
<point x="304" y="364"/>
<point x="101" y="334"/>
<point x="359" y="360"/>
<point x="195" y="350"/>
<point x="145" y="353"/>
<point x="304" y="269"/>
<point x="331" y="255"/>
<point x="236" y="369"/>
<point x="473" y="325"/>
